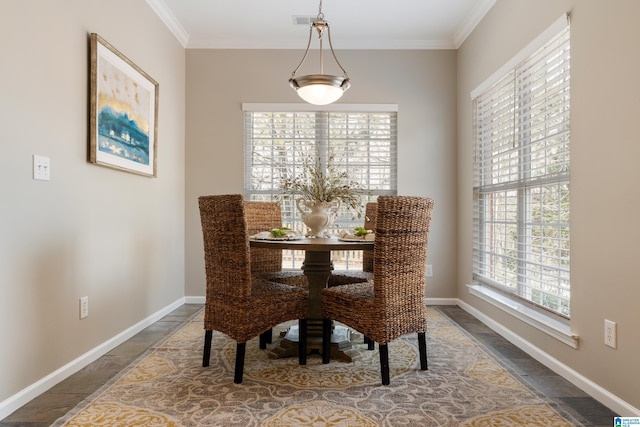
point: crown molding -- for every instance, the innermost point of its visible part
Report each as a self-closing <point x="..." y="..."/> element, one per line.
<point x="344" y="44"/>
<point x="167" y="17"/>
<point x="473" y="19"/>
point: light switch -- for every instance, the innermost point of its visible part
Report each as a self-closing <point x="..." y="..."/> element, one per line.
<point x="41" y="168"/>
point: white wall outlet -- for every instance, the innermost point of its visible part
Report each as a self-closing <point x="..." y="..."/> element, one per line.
<point x="84" y="307"/>
<point x="41" y="168"/>
<point x="429" y="270"/>
<point x="610" y="334"/>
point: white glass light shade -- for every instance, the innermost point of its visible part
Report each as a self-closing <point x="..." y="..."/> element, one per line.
<point x="320" y="94"/>
<point x="320" y="89"/>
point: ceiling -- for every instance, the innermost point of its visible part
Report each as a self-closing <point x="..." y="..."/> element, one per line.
<point x="355" y="24"/>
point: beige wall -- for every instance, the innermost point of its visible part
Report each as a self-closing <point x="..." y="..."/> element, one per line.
<point x="422" y="83"/>
<point x="115" y="237"/>
<point x="605" y="109"/>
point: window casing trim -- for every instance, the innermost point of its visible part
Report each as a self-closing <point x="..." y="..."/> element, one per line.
<point x="553" y="29"/>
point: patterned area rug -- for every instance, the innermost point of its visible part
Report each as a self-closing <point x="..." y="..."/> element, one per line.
<point x="464" y="386"/>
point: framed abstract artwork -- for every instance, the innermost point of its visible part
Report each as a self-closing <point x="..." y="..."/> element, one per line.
<point x="123" y="113"/>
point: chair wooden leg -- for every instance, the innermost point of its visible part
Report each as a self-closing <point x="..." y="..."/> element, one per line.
<point x="369" y="342"/>
<point x="422" y="348"/>
<point x="266" y="338"/>
<point x="206" y="354"/>
<point x="240" y="350"/>
<point x="302" y="341"/>
<point x="326" y="340"/>
<point x="384" y="363"/>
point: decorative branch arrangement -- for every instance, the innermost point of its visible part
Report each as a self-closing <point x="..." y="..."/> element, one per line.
<point x="325" y="185"/>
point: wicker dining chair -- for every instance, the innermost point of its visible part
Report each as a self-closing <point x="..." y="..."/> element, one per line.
<point x="237" y="304"/>
<point x="392" y="304"/>
<point x="343" y="277"/>
<point x="265" y="262"/>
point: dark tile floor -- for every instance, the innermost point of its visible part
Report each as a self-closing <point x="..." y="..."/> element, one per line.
<point x="566" y="396"/>
<point x="45" y="409"/>
<point x="57" y="401"/>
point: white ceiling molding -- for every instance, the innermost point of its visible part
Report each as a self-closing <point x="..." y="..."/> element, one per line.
<point x="166" y="16"/>
<point x="472" y="20"/>
<point x="344" y="44"/>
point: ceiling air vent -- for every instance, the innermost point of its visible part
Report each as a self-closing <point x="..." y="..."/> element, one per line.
<point x="303" y="20"/>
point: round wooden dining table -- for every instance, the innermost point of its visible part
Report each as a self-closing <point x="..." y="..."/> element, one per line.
<point x="317" y="267"/>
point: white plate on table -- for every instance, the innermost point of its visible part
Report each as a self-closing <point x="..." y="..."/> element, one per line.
<point x="277" y="238"/>
<point x="354" y="239"/>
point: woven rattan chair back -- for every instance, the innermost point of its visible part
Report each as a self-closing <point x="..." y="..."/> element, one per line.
<point x="265" y="262"/>
<point x="371" y="211"/>
<point x="263" y="216"/>
<point x="345" y="277"/>
<point x="226" y="249"/>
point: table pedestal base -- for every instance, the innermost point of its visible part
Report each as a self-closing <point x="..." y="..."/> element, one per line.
<point x="341" y="344"/>
<point x="317" y="267"/>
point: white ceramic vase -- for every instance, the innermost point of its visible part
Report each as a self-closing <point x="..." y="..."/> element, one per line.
<point x="318" y="216"/>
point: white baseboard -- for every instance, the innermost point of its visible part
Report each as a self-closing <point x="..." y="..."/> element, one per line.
<point x="603" y="396"/>
<point x="194" y="300"/>
<point x="13" y="403"/>
<point x="441" y="301"/>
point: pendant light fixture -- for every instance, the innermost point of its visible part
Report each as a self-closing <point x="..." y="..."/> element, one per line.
<point x="320" y="89"/>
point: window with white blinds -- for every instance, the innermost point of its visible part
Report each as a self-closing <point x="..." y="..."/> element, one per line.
<point x="359" y="141"/>
<point x="521" y="177"/>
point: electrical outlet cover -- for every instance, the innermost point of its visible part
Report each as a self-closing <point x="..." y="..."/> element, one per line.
<point x="41" y="168"/>
<point x="610" y="334"/>
<point x="84" y="307"/>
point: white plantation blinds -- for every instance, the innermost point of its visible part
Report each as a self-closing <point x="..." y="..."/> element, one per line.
<point x="278" y="143"/>
<point x="521" y="178"/>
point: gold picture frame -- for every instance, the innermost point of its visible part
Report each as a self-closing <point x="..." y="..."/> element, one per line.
<point x="123" y="112"/>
